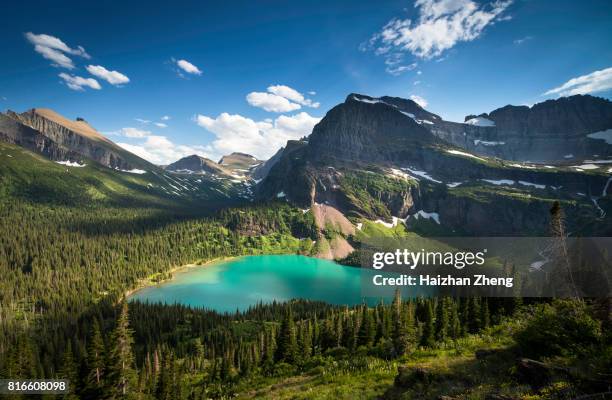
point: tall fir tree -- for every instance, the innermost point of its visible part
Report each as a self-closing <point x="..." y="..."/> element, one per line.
<point x="442" y="320"/>
<point x="287" y="344"/>
<point x="96" y="362"/>
<point x="428" y="337"/>
<point x="474" y="316"/>
<point x="69" y="371"/>
<point x="121" y="373"/>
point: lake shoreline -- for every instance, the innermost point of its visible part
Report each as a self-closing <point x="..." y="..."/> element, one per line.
<point x="148" y="282"/>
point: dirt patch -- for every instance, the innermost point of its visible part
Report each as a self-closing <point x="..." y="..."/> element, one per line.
<point x="325" y="216"/>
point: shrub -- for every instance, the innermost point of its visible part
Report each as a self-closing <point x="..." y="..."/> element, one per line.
<point x="562" y="328"/>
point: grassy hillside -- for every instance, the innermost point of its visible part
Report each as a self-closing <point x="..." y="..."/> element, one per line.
<point x="29" y="176"/>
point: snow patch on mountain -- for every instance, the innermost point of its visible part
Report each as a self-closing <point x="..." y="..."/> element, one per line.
<point x="70" y="163"/>
<point x="427" y="215"/>
<point x="421" y="174"/>
<point x="462" y="153"/>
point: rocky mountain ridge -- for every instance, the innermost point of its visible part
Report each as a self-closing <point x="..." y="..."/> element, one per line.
<point x="382" y="158"/>
<point x="61" y="139"/>
<point x="195" y="164"/>
<point x="554" y="131"/>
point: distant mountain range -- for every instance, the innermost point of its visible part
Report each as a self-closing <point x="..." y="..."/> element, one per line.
<point x="386" y="159"/>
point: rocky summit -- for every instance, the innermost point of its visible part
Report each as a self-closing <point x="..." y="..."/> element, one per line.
<point x="386" y="158"/>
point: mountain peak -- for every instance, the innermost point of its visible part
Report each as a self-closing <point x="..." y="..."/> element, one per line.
<point x="79" y="125"/>
<point x="237" y="160"/>
<point x="198" y="165"/>
<point x="407" y="106"/>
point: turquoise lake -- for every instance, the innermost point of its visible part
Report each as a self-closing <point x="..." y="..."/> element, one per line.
<point x="245" y="281"/>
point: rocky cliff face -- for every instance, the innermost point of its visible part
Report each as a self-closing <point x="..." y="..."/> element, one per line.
<point x="371" y="157"/>
<point x="55" y="133"/>
<point x="197" y="165"/>
<point x="14" y="132"/>
<point x="367" y="129"/>
<point x="552" y="131"/>
<point x="262" y="170"/>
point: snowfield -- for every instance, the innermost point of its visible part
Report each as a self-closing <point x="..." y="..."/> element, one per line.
<point x="70" y="163"/>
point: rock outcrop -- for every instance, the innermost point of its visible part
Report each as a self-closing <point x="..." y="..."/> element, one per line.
<point x="239" y="161"/>
<point x="351" y="154"/>
<point x="195" y="164"/>
<point x="60" y="138"/>
<point x="551" y="131"/>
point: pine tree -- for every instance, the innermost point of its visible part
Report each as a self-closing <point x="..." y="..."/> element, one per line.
<point x="442" y="322"/>
<point x="306" y="340"/>
<point x="485" y="318"/>
<point x="428" y="338"/>
<point x="69" y="372"/>
<point x="367" y="329"/>
<point x="454" y="321"/>
<point x="164" y="388"/>
<point x="96" y="362"/>
<point x="400" y="334"/>
<point x="121" y="369"/>
<point x="287" y="344"/>
<point x="474" y="322"/>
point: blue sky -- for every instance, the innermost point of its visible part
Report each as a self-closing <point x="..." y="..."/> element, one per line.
<point x="258" y="73"/>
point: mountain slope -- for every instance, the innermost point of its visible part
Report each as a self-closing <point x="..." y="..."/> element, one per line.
<point x="372" y="159"/>
<point x="77" y="137"/>
<point x="29" y="176"/>
<point x="552" y="131"/>
<point x="197" y="165"/>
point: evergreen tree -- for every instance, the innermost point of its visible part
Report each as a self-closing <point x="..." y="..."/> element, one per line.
<point x="69" y="371"/>
<point x="474" y="322"/>
<point x="485" y="318"/>
<point x="165" y="384"/>
<point x="428" y="338"/>
<point x="454" y="321"/>
<point x="286" y="343"/>
<point x="96" y="362"/>
<point x="442" y="320"/>
<point x="400" y="334"/>
<point x="367" y="329"/>
<point x="121" y="369"/>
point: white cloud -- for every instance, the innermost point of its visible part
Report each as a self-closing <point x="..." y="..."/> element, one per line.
<point x="134" y="132"/>
<point x="594" y="82"/>
<point x="55" y="50"/>
<point x="79" y="83"/>
<point x="165" y="118"/>
<point x="57" y="57"/>
<point x="522" y="40"/>
<point x="271" y="102"/>
<point x="416" y="82"/>
<point x="188" y="67"/>
<point x="292" y="95"/>
<point x="142" y="121"/>
<point x="419" y="100"/>
<point x="397" y="70"/>
<point x="441" y="25"/>
<point x="161" y="125"/>
<point x="112" y="77"/>
<point x="280" y="98"/>
<point x="259" y="138"/>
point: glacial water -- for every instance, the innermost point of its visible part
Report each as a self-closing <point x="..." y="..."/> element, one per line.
<point x="245" y="281"/>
